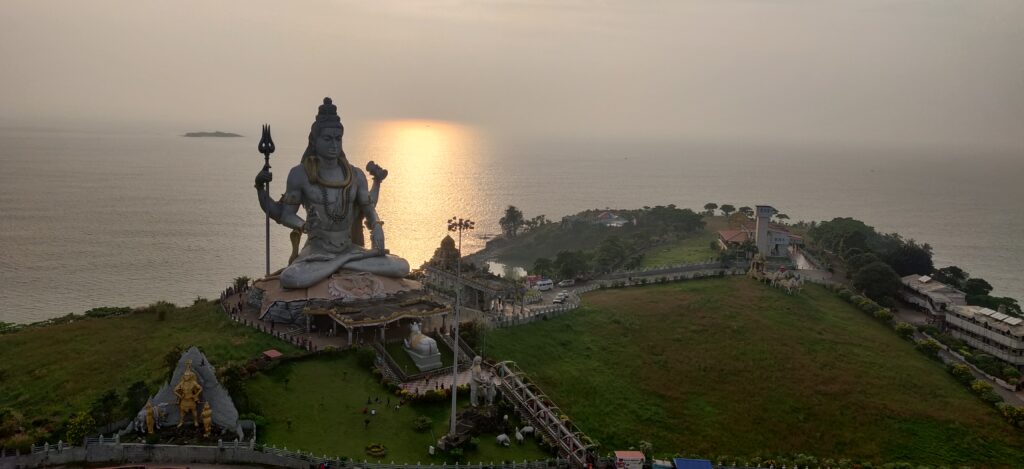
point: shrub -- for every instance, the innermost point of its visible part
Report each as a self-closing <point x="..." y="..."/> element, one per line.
<point x="422" y="423"/>
<point x="961" y="372"/>
<point x="1013" y="414"/>
<point x="366" y="357"/>
<point x="904" y="330"/>
<point x="929" y="347"/>
<point x="845" y="294"/>
<point x="985" y="391"/>
<point x="80" y="425"/>
<point x="882" y="314"/>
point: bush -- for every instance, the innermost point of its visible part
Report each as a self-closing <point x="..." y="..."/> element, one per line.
<point x="845" y="294"/>
<point x="904" y="330"/>
<point x="882" y="314"/>
<point x="985" y="391"/>
<point x="1013" y="414"/>
<point x="961" y="372"/>
<point x="79" y="427"/>
<point x="366" y="357"/>
<point x="929" y="347"/>
<point x="422" y="423"/>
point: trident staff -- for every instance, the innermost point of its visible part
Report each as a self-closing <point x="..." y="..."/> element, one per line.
<point x="266" y="147"/>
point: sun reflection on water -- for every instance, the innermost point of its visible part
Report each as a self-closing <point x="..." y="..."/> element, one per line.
<point x="433" y="173"/>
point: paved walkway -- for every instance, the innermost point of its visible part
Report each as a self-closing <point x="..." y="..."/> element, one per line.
<point x="421" y="387"/>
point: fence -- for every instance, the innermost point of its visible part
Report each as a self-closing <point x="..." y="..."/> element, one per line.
<point x="104" y="450"/>
<point x="666" y="269"/>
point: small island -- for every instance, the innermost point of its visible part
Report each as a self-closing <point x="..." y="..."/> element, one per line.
<point x="215" y="133"/>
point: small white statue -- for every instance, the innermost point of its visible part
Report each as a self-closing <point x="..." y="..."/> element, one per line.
<point x="419" y="342"/>
<point x="503" y="440"/>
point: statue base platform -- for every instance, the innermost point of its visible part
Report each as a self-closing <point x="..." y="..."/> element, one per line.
<point x="349" y="298"/>
<point x="424" y="362"/>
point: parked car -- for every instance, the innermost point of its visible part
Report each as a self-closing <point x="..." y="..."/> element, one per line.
<point x="545" y="284"/>
<point x="567" y="283"/>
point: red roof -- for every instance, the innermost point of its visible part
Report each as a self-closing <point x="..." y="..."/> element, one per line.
<point x="629" y="455"/>
<point x="734" y="236"/>
<point x="272" y="354"/>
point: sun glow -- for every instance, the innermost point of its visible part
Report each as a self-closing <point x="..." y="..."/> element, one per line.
<point x="433" y="173"/>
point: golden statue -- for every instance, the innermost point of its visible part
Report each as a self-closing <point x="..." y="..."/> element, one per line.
<point x="188" y="391"/>
<point x="207" y="419"/>
<point x="150" y="418"/>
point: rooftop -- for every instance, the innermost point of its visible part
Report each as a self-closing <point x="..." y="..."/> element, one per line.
<point x="936" y="290"/>
<point x="1009" y="325"/>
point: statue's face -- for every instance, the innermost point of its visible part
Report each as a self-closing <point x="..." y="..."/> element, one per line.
<point x="328" y="144"/>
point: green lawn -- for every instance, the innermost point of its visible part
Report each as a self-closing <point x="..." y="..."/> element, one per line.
<point x="325" y="398"/>
<point x="695" y="249"/>
<point x="730" y="367"/>
<point x="48" y="373"/>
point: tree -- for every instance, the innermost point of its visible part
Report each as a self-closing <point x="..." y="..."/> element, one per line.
<point x="749" y="212"/>
<point x="610" y="253"/>
<point x="512" y="221"/>
<point x="858" y="261"/>
<point x="79" y="426"/>
<point x="878" y="281"/>
<point x="910" y="258"/>
<point x="977" y="286"/>
<point x="241" y="282"/>
<point x="710" y="208"/>
<point x="727" y="209"/>
<point x="104" y="408"/>
<point x="782" y="216"/>
<point x="569" y="264"/>
<point x="952" y="275"/>
<point x="544" y="267"/>
<point x="135" y="398"/>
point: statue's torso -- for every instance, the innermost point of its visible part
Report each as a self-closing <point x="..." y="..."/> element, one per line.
<point x="329" y="224"/>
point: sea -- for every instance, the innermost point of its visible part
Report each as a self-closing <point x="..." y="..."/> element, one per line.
<point x="127" y="218"/>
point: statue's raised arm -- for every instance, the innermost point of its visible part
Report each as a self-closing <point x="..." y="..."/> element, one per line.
<point x="333" y="194"/>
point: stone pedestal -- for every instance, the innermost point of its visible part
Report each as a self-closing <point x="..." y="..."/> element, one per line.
<point x="424" y="362"/>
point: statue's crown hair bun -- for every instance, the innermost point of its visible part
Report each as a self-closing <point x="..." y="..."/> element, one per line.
<point x="328" y="112"/>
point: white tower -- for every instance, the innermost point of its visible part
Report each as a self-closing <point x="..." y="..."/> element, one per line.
<point x="764" y="217"/>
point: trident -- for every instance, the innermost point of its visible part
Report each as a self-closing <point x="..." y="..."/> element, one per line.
<point x="266" y="147"/>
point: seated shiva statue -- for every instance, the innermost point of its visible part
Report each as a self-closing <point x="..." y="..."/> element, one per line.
<point x="335" y="197"/>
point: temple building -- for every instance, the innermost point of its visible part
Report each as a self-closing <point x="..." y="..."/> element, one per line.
<point x="772" y="239"/>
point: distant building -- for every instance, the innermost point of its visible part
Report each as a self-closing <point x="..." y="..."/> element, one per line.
<point x="629" y="459"/>
<point x="611" y="219"/>
<point x="932" y="296"/>
<point x="992" y="332"/>
<point x="772" y="239"/>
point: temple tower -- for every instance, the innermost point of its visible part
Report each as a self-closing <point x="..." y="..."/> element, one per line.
<point x="764" y="217"/>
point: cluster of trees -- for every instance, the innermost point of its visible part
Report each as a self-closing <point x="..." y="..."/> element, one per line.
<point x="515" y="223"/>
<point x="710" y="207"/>
<point x="977" y="289"/>
<point x="876" y="261"/>
<point x="652" y="226"/>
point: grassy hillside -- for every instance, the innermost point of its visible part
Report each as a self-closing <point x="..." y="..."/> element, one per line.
<point x="730" y="367"/>
<point x="49" y="373"/>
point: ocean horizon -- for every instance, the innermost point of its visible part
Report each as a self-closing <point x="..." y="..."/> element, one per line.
<point x="127" y="218"/>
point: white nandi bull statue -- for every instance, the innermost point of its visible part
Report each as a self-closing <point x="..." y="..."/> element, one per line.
<point x="420" y="342"/>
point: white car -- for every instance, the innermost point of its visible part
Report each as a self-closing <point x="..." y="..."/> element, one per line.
<point x="567" y="283"/>
<point x="545" y="284"/>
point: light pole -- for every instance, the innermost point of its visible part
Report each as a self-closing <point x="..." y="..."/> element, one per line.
<point x="457" y="225"/>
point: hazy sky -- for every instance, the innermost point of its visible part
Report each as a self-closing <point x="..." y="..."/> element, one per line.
<point x="934" y="72"/>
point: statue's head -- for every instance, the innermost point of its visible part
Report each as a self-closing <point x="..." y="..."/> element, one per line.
<point x="325" y="133"/>
<point x="477" y="360"/>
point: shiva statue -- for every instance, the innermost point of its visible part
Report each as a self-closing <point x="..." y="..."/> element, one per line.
<point x="335" y="196"/>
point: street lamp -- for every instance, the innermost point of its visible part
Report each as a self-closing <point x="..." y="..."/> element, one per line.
<point x="457" y="225"/>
